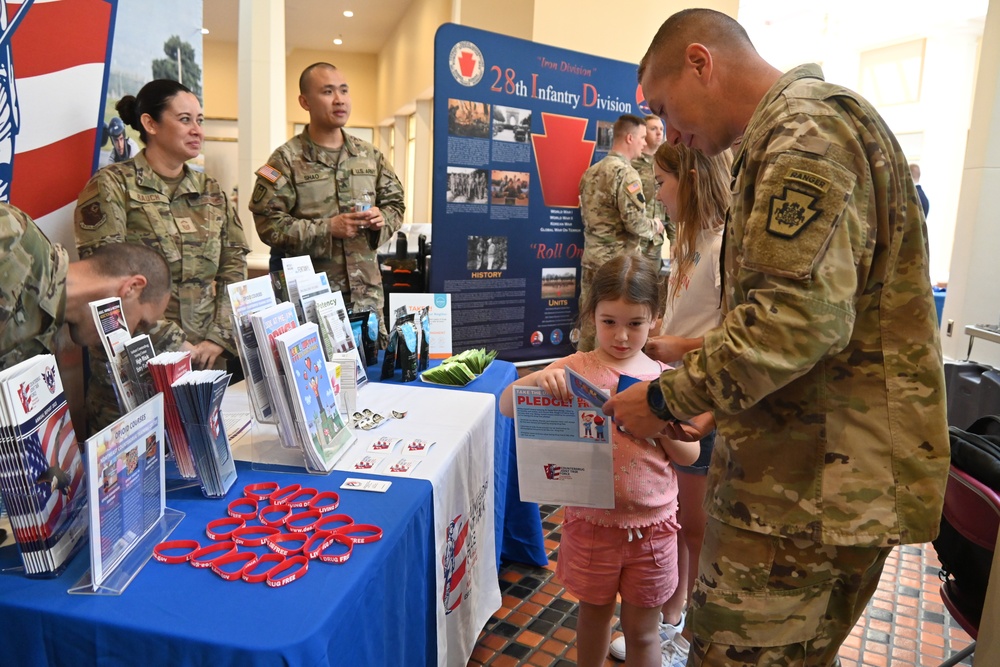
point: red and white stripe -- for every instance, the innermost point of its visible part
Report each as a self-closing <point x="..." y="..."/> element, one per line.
<point x="60" y="54"/>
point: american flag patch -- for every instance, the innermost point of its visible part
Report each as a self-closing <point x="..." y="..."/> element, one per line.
<point x="633" y="188"/>
<point x="269" y="172"/>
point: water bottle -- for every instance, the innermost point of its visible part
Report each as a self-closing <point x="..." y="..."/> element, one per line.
<point x="363" y="203"/>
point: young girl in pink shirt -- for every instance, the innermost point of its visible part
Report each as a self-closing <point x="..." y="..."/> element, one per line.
<point x="630" y="550"/>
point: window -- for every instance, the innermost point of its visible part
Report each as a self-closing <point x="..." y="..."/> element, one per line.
<point x="892" y="74"/>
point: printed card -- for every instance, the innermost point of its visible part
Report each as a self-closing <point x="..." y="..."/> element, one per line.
<point x="417" y="447"/>
<point x="401" y="467"/>
<point x="383" y="445"/>
<point x="355" y="484"/>
<point x="367" y="463"/>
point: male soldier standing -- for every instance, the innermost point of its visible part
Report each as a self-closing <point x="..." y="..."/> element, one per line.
<point x="614" y="210"/>
<point x="825" y="376"/>
<point x="644" y="165"/>
<point x="329" y="195"/>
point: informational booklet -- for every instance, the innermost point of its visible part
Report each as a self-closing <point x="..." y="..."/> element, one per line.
<point x="125" y="485"/>
<point x="321" y="426"/>
<point x="339" y="345"/>
<point x="139" y="351"/>
<point x="309" y="287"/>
<point x="564" y="454"/>
<point x="439" y="336"/>
<point x="248" y="297"/>
<point x="41" y="470"/>
<point x="293" y="268"/>
<point x="113" y="330"/>
<point x="268" y="324"/>
<point x="199" y="397"/>
<point x="167" y="368"/>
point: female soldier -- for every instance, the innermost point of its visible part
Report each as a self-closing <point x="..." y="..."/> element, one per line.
<point x="157" y="199"/>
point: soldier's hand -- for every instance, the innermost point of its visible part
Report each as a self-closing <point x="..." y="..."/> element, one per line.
<point x="204" y="354"/>
<point x="374" y="220"/>
<point x="348" y="225"/>
<point x="631" y="412"/>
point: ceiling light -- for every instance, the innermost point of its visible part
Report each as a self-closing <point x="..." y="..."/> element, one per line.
<point x="348" y="13"/>
<point x="204" y="31"/>
<point x="338" y="41"/>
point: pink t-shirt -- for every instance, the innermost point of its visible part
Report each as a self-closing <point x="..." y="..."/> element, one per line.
<point x="645" y="483"/>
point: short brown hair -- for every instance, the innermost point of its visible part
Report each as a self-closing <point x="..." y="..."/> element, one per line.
<point x="688" y="26"/>
<point x="626" y="124"/>
<point x="631" y="278"/>
<point x="119" y="260"/>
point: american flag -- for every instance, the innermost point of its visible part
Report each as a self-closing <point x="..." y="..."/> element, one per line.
<point x="552" y="471"/>
<point x="59" y="54"/>
<point x="51" y="448"/>
<point x="455" y="563"/>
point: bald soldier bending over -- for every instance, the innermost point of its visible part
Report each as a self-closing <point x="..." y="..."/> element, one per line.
<point x="825" y="376"/>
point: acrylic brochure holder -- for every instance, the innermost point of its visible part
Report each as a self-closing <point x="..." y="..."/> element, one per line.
<point x="125" y="571"/>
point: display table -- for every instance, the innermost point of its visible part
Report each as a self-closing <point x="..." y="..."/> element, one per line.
<point x="375" y="609"/>
<point x="460" y="468"/>
<point x="519" y="525"/>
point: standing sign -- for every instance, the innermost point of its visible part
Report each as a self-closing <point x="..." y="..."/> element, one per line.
<point x="516" y="125"/>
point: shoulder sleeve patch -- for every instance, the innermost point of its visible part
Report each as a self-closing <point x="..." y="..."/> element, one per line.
<point x="92" y="215"/>
<point x="633" y="187"/>
<point x="798" y="204"/>
<point x="269" y="173"/>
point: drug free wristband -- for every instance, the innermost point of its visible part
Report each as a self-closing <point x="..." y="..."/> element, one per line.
<point x="253" y="536"/>
<point x="328" y="522"/>
<point x="217" y="550"/>
<point x="191" y="546"/>
<point x="243" y="508"/>
<point x="336" y="538"/>
<point x="325" y="501"/>
<point x="280" y="495"/>
<point x="355" y="532"/>
<point x="300" y="498"/>
<point x="287" y="544"/>
<point x="261" y="491"/>
<point x="280" y="574"/>
<point x="250" y="576"/>
<point x="310" y="517"/>
<point x="275" y="515"/>
<point x="216" y="529"/>
<point x="248" y="558"/>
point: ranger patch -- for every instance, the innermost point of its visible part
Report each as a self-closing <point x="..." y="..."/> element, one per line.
<point x="269" y="173"/>
<point x="92" y="216"/>
<point x="808" y="178"/>
<point x="790" y="213"/>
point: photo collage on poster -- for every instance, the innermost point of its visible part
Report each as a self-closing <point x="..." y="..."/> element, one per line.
<point x="516" y="125"/>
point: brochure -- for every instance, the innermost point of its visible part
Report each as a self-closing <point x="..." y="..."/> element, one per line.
<point x="248" y="297"/>
<point x="322" y="430"/>
<point x="114" y="335"/>
<point x="439" y="316"/>
<point x="268" y="324"/>
<point x="125" y="485"/>
<point x="564" y="448"/>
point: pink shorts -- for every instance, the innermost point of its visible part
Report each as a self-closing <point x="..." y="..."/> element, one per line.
<point x="596" y="563"/>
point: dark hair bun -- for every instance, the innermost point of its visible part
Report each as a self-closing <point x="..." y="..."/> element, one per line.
<point x="126" y="108"/>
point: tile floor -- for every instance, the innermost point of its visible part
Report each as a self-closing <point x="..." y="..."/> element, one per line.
<point x="906" y="625"/>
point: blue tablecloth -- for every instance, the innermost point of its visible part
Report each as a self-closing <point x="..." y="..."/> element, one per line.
<point x="375" y="609"/>
<point x="519" y="535"/>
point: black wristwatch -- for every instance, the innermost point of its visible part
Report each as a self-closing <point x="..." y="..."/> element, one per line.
<point x="658" y="406"/>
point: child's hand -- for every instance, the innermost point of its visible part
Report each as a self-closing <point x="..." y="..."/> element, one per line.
<point x="553" y="380"/>
<point x="693" y="430"/>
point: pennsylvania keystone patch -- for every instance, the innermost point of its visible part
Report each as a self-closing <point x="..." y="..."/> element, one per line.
<point x="791" y="213"/>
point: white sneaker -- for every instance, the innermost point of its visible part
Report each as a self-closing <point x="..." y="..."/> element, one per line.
<point x="675" y="652"/>
<point x="667" y="632"/>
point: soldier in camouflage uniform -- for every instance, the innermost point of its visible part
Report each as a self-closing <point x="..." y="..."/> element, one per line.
<point x="309" y="197"/>
<point x="613" y="209"/>
<point x="41" y="290"/>
<point x="156" y="199"/>
<point x="825" y="376"/>
<point x="644" y="167"/>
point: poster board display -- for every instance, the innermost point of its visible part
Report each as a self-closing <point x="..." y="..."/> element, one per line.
<point x="515" y="126"/>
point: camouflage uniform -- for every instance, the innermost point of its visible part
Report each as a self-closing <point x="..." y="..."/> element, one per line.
<point x="32" y="288"/>
<point x="292" y="208"/>
<point x="614" y="223"/>
<point x="644" y="166"/>
<point x="196" y="230"/>
<point x="826" y="376"/>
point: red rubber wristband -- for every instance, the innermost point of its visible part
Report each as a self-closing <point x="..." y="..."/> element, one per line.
<point x="353" y="530"/>
<point x="190" y="545"/>
<point x="316" y="543"/>
<point x="327" y="522"/>
<point x="332" y="496"/>
<point x="279" y="496"/>
<point x="278" y="577"/>
<point x="242" y="536"/>
<point x="336" y="558"/>
<point x="212" y="528"/>
<point x="314" y="515"/>
<point x="233" y="557"/>
<point x="256" y="578"/>
<point x="265" y="513"/>
<point x="249" y="514"/>
<point x="254" y="490"/>
<point x="300" y="498"/>
<point x="277" y="543"/>
<point x="219" y="548"/>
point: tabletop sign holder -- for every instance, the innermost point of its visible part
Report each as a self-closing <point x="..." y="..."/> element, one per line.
<point x="122" y="575"/>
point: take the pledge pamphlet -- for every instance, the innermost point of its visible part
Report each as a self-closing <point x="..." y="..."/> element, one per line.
<point x="564" y="446"/>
